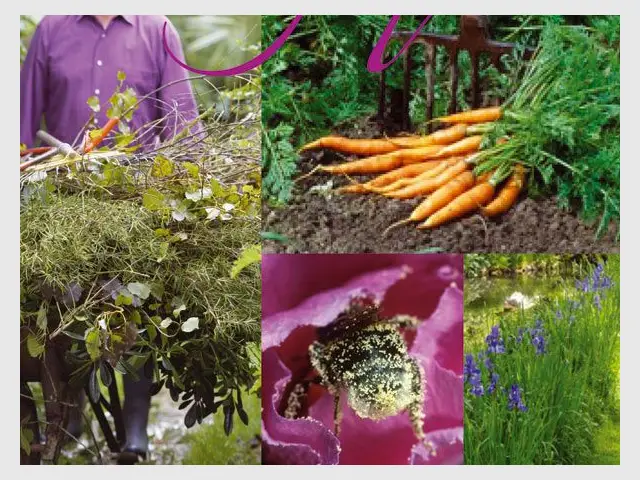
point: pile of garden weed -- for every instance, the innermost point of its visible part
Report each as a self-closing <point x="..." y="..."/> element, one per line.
<point x="160" y="273"/>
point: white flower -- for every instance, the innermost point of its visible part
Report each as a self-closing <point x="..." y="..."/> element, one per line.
<point x="227" y="207"/>
<point x="226" y="216"/>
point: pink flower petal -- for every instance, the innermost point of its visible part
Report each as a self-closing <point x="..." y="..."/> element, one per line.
<point x="441" y="337"/>
<point x="444" y="448"/>
<point x="278" y="453"/>
<point x="324" y="307"/>
<point x="307" y="433"/>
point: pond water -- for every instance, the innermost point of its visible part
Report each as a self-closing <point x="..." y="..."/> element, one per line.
<point x="484" y="298"/>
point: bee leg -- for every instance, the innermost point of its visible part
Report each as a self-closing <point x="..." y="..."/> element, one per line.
<point x="405" y="321"/>
<point x="296" y="400"/>
<point x="416" y="408"/>
<point x="298" y="397"/>
<point x="337" y="413"/>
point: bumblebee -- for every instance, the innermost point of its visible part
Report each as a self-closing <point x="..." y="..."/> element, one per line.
<point x="365" y="357"/>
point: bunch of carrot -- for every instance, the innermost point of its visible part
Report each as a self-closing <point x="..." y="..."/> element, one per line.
<point x="439" y="166"/>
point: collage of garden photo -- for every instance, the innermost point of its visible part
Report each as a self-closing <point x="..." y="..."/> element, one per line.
<point x="319" y="240"/>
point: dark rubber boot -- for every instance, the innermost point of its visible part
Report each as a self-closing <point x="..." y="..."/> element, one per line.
<point x="137" y="402"/>
<point x="76" y="420"/>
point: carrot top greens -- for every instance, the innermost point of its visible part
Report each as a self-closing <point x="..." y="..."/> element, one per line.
<point x="563" y="120"/>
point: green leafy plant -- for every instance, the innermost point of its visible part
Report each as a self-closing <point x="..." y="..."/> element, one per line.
<point x="544" y="380"/>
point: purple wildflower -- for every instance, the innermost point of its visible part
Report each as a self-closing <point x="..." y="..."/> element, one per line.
<point x="488" y="364"/>
<point x="521" y="332"/>
<point x="470" y="368"/>
<point x="495" y="344"/>
<point x="537" y="337"/>
<point x="494" y="381"/>
<point x="596" y="301"/>
<point x="473" y="376"/>
<point x="539" y="343"/>
<point x="597" y="282"/>
<point x="477" y="389"/>
<point x="515" y="399"/>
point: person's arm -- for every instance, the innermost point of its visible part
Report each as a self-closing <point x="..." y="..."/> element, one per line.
<point x="33" y="82"/>
<point x="177" y="99"/>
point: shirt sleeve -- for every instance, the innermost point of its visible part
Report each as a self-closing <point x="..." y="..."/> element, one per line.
<point x="33" y="81"/>
<point x="177" y="102"/>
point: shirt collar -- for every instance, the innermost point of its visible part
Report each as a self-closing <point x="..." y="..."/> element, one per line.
<point x="127" y="18"/>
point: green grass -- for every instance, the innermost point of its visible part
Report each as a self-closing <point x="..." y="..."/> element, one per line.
<point x="571" y="391"/>
<point x="210" y="446"/>
<point x="607" y="444"/>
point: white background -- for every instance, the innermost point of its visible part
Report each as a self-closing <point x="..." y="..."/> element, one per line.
<point x="9" y="236"/>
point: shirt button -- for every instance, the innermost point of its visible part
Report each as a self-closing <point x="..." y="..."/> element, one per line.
<point x="103" y="35"/>
<point x="97" y="91"/>
<point x="95" y="121"/>
<point x="99" y="62"/>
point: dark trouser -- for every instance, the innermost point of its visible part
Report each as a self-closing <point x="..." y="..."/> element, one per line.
<point x="135" y="414"/>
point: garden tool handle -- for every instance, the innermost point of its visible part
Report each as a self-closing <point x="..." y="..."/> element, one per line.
<point x="62" y="147"/>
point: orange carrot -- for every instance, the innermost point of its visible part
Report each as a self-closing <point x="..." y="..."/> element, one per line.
<point x="480" y="115"/>
<point x="469" y="201"/>
<point x="438" y="168"/>
<point x="383" y="163"/>
<point x="353" y="146"/>
<point x="408" y="171"/>
<point x="442" y="196"/>
<point x="461" y="147"/>
<point x="441" y="137"/>
<point x="389" y="178"/>
<point x="507" y="195"/>
<point x="431" y="184"/>
<point x="353" y="188"/>
<point x="112" y="122"/>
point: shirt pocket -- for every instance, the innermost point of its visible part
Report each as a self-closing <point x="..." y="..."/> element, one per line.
<point x="143" y="81"/>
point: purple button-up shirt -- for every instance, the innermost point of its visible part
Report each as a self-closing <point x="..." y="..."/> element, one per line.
<point x="72" y="58"/>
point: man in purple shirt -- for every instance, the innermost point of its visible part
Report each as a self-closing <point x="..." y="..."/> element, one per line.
<point x="72" y="58"/>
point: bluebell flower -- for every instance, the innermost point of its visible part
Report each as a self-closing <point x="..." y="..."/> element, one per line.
<point x="495" y="343"/>
<point x="515" y="399"/>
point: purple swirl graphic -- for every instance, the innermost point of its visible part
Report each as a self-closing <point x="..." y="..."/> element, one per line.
<point x="374" y="64"/>
<point x="254" y="62"/>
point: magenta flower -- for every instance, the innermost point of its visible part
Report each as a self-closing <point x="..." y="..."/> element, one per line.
<point x="304" y="292"/>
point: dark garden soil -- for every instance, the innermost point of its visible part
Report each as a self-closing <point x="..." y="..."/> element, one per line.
<point x="319" y="220"/>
